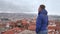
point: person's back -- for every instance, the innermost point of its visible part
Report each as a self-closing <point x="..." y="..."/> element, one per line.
<point x="42" y="21"/>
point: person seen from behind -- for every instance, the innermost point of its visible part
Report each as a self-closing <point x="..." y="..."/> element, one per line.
<point x="42" y="21"/>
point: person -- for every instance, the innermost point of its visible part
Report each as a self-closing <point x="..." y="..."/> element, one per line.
<point x="42" y="21"/>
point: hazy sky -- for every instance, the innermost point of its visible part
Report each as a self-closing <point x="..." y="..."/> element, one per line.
<point x="29" y="6"/>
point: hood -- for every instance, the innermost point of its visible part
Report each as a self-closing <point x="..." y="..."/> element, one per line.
<point x="43" y="12"/>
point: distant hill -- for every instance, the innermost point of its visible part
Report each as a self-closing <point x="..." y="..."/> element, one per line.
<point x="15" y="16"/>
<point x="54" y="17"/>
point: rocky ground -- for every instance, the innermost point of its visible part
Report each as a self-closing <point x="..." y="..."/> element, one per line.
<point x="27" y="32"/>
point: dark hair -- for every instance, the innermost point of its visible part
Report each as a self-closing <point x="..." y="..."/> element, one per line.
<point x="42" y="6"/>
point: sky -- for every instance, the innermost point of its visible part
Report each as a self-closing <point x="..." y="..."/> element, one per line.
<point x="29" y="6"/>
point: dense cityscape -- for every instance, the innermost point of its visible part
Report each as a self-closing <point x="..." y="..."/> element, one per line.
<point x="26" y="26"/>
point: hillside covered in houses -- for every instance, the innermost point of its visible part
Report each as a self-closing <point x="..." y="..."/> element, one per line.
<point x="21" y="23"/>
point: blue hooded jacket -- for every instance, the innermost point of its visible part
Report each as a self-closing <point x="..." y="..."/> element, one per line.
<point x="42" y="21"/>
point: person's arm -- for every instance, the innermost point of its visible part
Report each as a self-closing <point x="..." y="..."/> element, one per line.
<point x="38" y="23"/>
<point x="45" y="20"/>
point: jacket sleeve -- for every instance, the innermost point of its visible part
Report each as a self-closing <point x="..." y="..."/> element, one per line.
<point x="38" y="23"/>
<point x="45" y="20"/>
